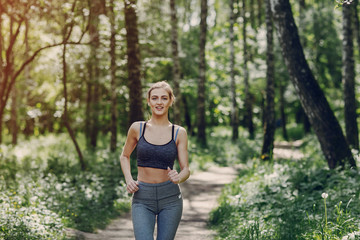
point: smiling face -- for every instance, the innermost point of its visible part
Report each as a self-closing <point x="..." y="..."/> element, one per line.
<point x="159" y="101"/>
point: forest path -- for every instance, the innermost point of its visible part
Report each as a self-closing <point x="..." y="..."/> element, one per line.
<point x="200" y="194"/>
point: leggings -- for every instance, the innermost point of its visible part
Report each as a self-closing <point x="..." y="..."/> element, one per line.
<point x="161" y="200"/>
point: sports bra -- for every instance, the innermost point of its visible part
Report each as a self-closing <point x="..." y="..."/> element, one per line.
<point x="156" y="156"/>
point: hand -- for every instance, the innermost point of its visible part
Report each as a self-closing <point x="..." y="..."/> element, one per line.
<point x="173" y="176"/>
<point x="132" y="186"/>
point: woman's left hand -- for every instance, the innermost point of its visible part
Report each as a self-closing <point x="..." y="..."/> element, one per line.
<point x="173" y="176"/>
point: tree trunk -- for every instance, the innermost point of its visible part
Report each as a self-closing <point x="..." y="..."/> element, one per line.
<point x="260" y="12"/>
<point x="1" y="70"/>
<point x="234" y="106"/>
<point x="95" y="10"/>
<point x="356" y="23"/>
<point x="134" y="63"/>
<point x="252" y="15"/>
<point x="88" y="107"/>
<point x="248" y="96"/>
<point x="65" y="115"/>
<point x="269" y="127"/>
<point x="283" y="119"/>
<point x="201" y="123"/>
<point x="312" y="98"/>
<point x="187" y="116"/>
<point x="13" y="114"/>
<point x="176" y="63"/>
<point x="113" y="126"/>
<point x="348" y="72"/>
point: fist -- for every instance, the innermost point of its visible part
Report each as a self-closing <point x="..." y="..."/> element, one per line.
<point x="173" y="176"/>
<point x="132" y="186"/>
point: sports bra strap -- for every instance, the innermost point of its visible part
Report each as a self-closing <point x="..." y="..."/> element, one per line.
<point x="143" y="132"/>
<point x="172" y="132"/>
<point x="140" y="130"/>
<point x="176" y="133"/>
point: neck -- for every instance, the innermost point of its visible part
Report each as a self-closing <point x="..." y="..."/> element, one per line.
<point x="163" y="120"/>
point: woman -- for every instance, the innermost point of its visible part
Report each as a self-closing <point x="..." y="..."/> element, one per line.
<point x="156" y="192"/>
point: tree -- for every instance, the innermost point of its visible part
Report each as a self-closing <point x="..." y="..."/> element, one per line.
<point x="67" y="30"/>
<point x="114" y="117"/>
<point x="176" y="63"/>
<point x="269" y="123"/>
<point x="134" y="63"/>
<point x="96" y="8"/>
<point x="351" y="126"/>
<point x="248" y="96"/>
<point x="312" y="98"/>
<point x="234" y="106"/>
<point x="356" y="23"/>
<point x="201" y="123"/>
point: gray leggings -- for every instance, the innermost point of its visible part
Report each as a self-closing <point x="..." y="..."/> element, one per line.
<point x="161" y="200"/>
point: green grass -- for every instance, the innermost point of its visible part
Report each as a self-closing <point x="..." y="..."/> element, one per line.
<point x="284" y="200"/>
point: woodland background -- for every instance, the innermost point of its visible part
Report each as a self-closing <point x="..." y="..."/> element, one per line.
<point x="246" y="74"/>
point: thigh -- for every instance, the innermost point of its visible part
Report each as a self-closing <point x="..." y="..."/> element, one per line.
<point x="169" y="217"/>
<point x="143" y="218"/>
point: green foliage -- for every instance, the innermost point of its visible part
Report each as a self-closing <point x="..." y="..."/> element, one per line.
<point x="43" y="190"/>
<point x="283" y="200"/>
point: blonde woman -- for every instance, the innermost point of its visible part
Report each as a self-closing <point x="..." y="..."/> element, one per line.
<point x="156" y="192"/>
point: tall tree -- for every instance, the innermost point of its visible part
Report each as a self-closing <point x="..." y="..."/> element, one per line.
<point x="176" y="62"/>
<point x="269" y="126"/>
<point x="67" y="30"/>
<point x="348" y="72"/>
<point x="234" y="105"/>
<point x="94" y="71"/>
<point x="114" y="117"/>
<point x="248" y="96"/>
<point x="201" y="123"/>
<point x="356" y="22"/>
<point x="13" y="115"/>
<point x="134" y="62"/>
<point x="312" y="98"/>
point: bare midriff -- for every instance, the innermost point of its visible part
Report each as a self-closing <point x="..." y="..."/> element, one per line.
<point x="152" y="175"/>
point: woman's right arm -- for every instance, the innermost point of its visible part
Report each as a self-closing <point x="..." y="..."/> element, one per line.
<point x="130" y="144"/>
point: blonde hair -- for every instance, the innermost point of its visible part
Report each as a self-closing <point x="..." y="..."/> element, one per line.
<point x="164" y="85"/>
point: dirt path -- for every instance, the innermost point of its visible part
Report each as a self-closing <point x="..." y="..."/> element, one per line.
<point x="200" y="194"/>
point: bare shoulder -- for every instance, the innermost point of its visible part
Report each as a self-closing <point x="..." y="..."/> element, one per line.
<point x="135" y="128"/>
<point x="181" y="132"/>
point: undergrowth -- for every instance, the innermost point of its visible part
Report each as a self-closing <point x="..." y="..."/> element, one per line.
<point x="290" y="199"/>
<point x="43" y="190"/>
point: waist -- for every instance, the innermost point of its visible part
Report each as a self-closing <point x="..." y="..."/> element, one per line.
<point x="152" y="175"/>
<point x="156" y="191"/>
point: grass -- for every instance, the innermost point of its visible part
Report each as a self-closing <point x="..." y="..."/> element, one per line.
<point x="290" y="199"/>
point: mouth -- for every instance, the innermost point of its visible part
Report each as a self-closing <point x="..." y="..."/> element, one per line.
<point x="159" y="108"/>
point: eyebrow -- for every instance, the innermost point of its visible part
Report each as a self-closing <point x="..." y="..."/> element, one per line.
<point x="160" y="96"/>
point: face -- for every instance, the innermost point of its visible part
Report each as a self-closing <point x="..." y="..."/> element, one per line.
<point x="159" y="101"/>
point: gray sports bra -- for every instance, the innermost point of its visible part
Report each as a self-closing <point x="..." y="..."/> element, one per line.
<point x="156" y="156"/>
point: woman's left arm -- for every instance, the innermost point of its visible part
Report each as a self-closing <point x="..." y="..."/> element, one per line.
<point x="182" y="147"/>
